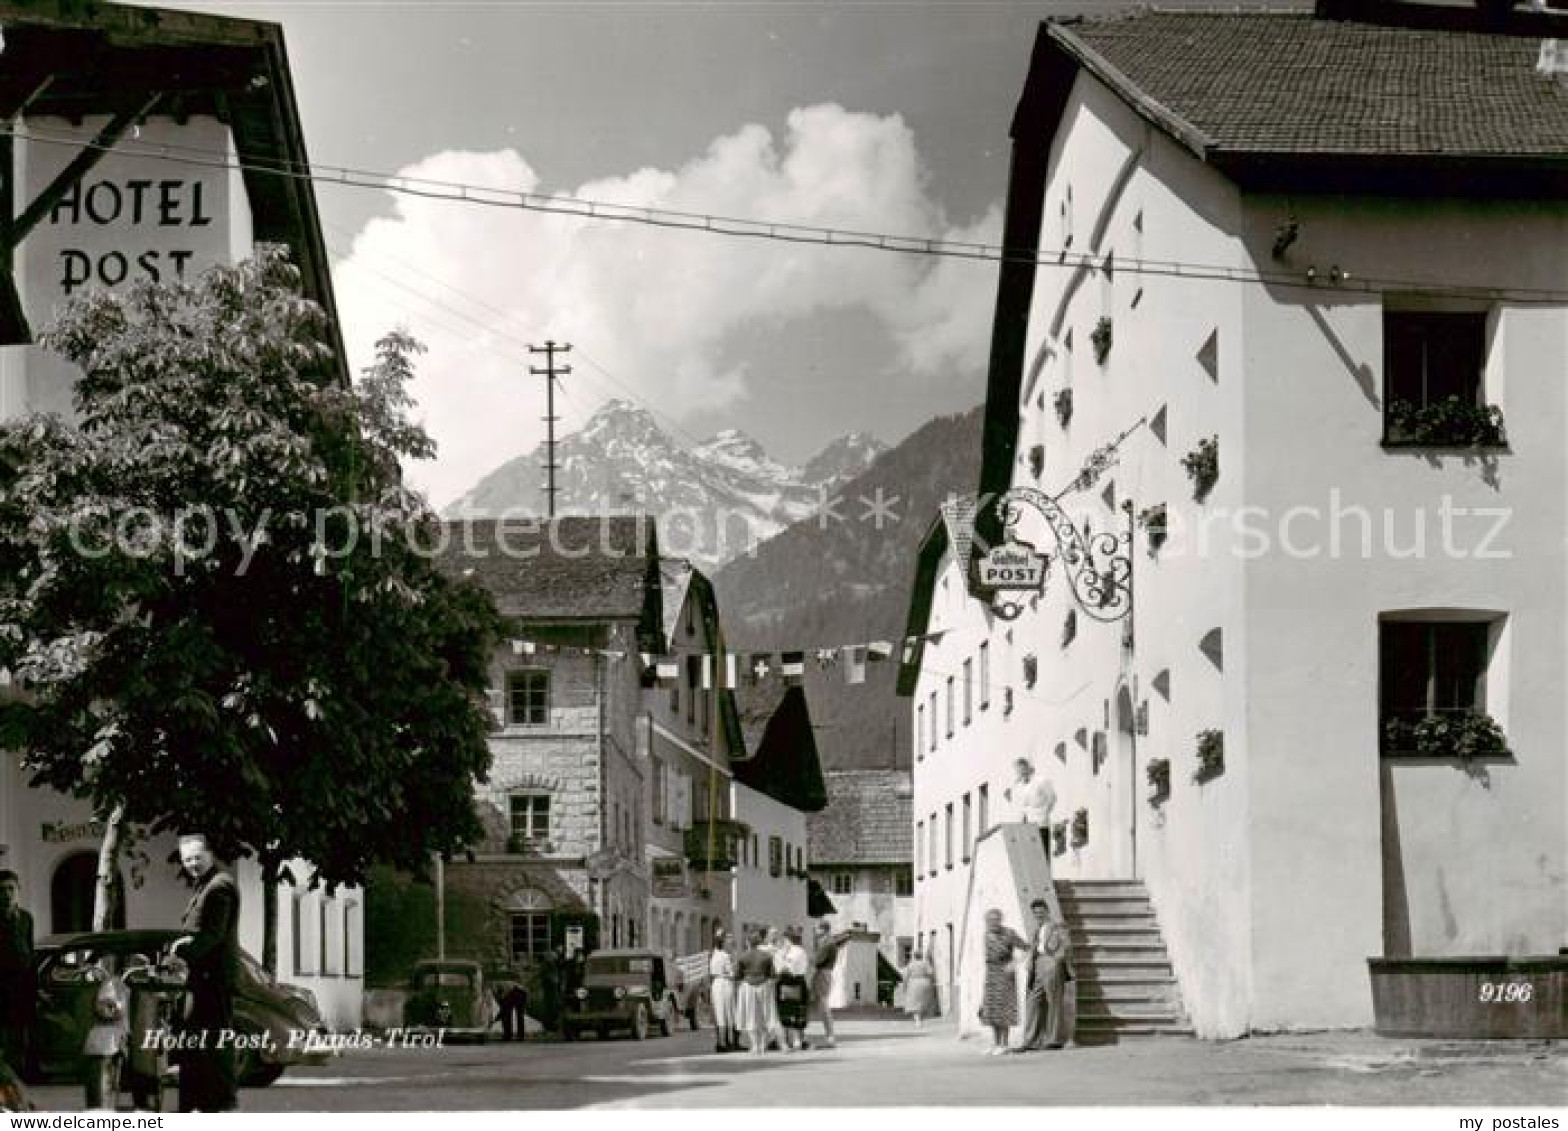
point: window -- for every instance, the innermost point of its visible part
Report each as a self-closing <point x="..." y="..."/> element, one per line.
<point x="1431" y="668"/>
<point x="920" y="730"/>
<point x="530" y="814"/>
<point x="968" y="828"/>
<point x="950" y="698"/>
<point x="775" y="856"/>
<point x="985" y="811"/>
<point x="933" y="720"/>
<point x="756" y="856"/>
<point x="969" y="690"/>
<point x="530" y="934"/>
<point x="931" y="847"/>
<point x="1428" y="357"/>
<point x="985" y="674"/>
<point x="300" y="923"/>
<point x="693" y="676"/>
<point x="920" y="847"/>
<point x="675" y="698"/>
<point x="947" y="837"/>
<point x="328" y="961"/>
<point x="903" y="883"/>
<point x="528" y="698"/>
<point x="656" y="774"/>
<point x="843" y="883"/>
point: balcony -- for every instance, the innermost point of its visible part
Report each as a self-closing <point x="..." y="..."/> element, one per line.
<point x="711" y="846"/>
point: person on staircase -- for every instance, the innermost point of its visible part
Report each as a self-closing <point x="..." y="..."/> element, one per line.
<point x="1032" y="797"/>
<point x="1046" y="1025"/>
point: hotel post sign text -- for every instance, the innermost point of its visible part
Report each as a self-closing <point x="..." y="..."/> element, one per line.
<point x="138" y="214"/>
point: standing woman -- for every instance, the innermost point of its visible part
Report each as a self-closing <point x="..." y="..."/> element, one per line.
<point x="773" y="946"/>
<point x="999" y="1008"/>
<point x="822" y="964"/>
<point x="721" y="989"/>
<point x="754" y="997"/>
<point x="919" y="989"/>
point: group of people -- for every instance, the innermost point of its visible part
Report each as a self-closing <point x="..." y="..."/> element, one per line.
<point x="768" y="993"/>
<point x="209" y="947"/>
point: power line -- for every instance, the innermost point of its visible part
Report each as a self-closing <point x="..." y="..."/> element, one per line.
<point x="1337" y="281"/>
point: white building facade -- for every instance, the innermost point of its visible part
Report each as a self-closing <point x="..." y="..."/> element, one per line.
<point x="133" y="215"/>
<point x="1353" y="577"/>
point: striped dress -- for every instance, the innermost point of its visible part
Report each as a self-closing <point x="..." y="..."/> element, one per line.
<point x="999" y="1007"/>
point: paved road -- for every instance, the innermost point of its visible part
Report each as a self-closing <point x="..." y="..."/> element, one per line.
<point x="888" y="1063"/>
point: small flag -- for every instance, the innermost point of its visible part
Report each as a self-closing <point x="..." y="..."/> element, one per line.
<point x="731" y="672"/>
<point x="646" y="658"/>
<point x="761" y="664"/>
<point x="878" y="650"/>
<point x="668" y="671"/>
<point x="707" y="672"/>
<point x="827" y="658"/>
<point x="855" y="664"/>
<point x="911" y="645"/>
<point x="793" y="667"/>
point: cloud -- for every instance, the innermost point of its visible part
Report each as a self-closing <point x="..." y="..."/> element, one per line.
<point x="655" y="315"/>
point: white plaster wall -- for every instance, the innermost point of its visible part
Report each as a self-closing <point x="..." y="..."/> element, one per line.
<point x="1484" y="864"/>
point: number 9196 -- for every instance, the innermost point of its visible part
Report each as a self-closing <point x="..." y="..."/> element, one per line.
<point x="1506" y="991"/>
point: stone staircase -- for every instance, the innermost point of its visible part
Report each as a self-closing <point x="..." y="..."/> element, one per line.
<point x="1126" y="987"/>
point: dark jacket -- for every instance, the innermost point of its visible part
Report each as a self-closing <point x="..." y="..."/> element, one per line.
<point x="212" y="919"/>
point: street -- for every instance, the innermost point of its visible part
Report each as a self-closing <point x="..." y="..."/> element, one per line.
<point x="887" y="1063"/>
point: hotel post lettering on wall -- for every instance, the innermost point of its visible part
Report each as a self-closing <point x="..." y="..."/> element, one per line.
<point x="140" y="213"/>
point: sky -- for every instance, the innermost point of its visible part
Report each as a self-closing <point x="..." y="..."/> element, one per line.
<point x="885" y="117"/>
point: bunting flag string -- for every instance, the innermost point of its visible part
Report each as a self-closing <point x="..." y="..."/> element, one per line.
<point x="733" y="670"/>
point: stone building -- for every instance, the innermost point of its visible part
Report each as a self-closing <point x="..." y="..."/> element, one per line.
<point x="862" y="855"/>
<point x="563" y="863"/>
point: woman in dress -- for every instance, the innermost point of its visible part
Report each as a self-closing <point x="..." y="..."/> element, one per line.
<point x="721" y="991"/>
<point x="753" y="997"/>
<point x="822" y="963"/>
<point x="919" y="989"/>
<point x="773" y="946"/>
<point x="999" y="1007"/>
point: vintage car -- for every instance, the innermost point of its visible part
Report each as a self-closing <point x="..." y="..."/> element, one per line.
<point x="261" y="1005"/>
<point x="450" y="994"/>
<point x="621" y="989"/>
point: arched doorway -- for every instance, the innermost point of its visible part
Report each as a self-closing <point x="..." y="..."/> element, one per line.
<point x="527" y="911"/>
<point x="72" y="891"/>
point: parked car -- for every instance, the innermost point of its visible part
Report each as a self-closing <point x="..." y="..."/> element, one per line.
<point x="450" y="994"/>
<point x="261" y="1004"/>
<point x="621" y="989"/>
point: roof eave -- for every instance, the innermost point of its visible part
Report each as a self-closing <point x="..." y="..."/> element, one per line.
<point x="932" y="547"/>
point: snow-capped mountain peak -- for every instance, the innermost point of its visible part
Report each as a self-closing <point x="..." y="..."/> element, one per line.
<point x="714" y="500"/>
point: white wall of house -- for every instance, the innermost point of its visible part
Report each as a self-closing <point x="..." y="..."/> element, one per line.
<point x="763" y="899"/>
<point x="1269" y="878"/>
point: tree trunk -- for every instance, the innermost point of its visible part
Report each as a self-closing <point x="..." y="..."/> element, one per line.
<point x="107" y="888"/>
<point x="270" y="867"/>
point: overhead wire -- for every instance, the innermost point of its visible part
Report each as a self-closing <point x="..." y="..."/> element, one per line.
<point x="459" y="192"/>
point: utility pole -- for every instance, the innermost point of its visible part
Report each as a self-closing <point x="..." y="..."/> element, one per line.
<point x="551" y="373"/>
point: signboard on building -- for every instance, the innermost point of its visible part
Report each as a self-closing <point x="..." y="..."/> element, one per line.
<point x="59" y="832"/>
<point x="670" y="878"/>
<point x="137" y="214"/>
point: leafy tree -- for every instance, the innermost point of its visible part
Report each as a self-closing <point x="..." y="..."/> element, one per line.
<point x="220" y="598"/>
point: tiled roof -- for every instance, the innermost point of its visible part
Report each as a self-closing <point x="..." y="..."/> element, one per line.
<point x="783" y="762"/>
<point x="867" y="819"/>
<point x="1290" y="82"/>
<point x="566" y="568"/>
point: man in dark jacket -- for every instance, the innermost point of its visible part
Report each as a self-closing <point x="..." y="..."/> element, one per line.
<point x="211" y="948"/>
<point x="18" y="990"/>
